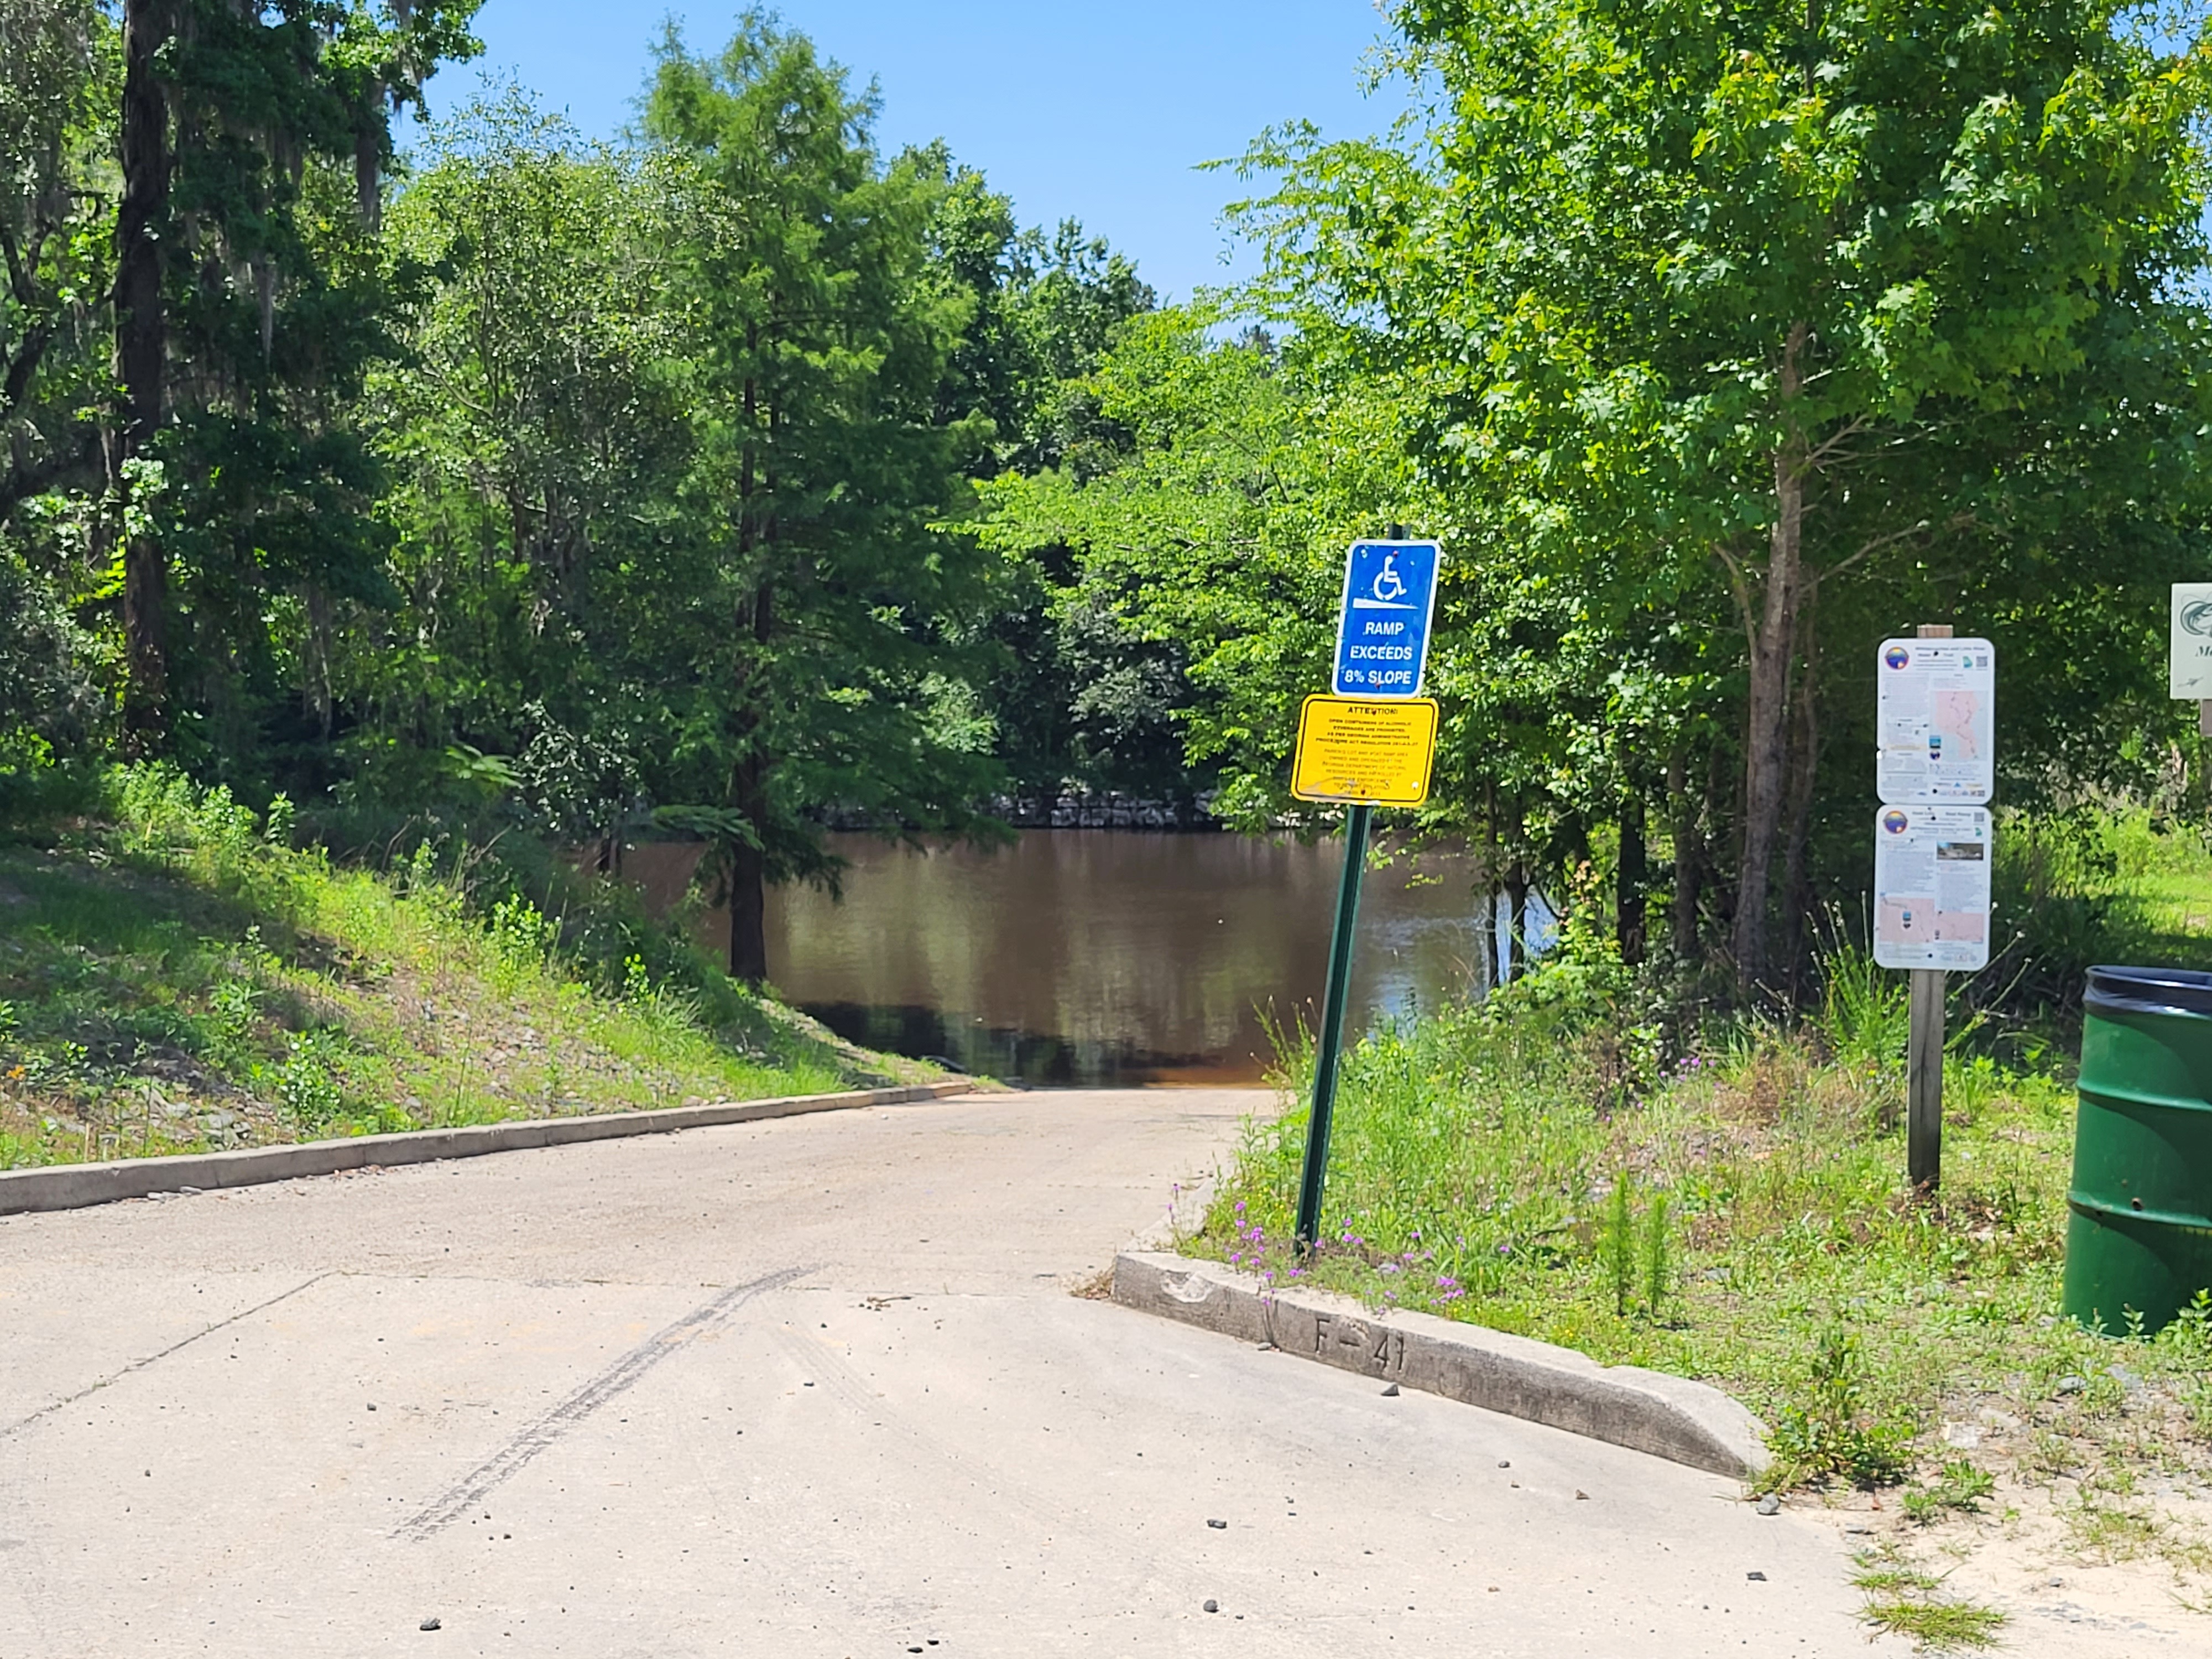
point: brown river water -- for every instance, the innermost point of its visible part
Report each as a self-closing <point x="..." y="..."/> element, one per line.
<point x="1090" y="957"/>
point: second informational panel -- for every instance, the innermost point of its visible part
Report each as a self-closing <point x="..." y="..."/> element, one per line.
<point x="1931" y="887"/>
<point x="1364" y="751"/>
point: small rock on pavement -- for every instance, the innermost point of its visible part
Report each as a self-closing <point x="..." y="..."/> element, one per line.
<point x="1219" y="1526"/>
<point x="1769" y="1504"/>
<point x="1212" y="1606"/>
<point x="1756" y="1577"/>
<point x="1390" y="1392"/>
<point x="1581" y="1497"/>
<point x="427" y="1624"/>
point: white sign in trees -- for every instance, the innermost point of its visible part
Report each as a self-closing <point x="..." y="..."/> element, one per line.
<point x="1935" y="722"/>
<point x="2189" y="649"/>
<point x="1931" y="884"/>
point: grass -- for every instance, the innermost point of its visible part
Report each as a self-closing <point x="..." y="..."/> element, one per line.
<point x="176" y="976"/>
<point x="1902" y="1599"/>
<point x="1960" y="1486"/>
<point x="1575" y="1162"/>
<point x="1475" y="1174"/>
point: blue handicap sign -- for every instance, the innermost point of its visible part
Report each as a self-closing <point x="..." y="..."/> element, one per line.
<point x="1382" y="638"/>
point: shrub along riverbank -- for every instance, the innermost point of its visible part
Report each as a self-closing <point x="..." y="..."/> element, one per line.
<point x="176" y="976"/>
<point x="1582" y="1161"/>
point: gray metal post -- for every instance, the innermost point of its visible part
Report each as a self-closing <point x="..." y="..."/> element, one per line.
<point x="1923" y="1055"/>
<point x="1329" y="1040"/>
<point x="1924" y="1082"/>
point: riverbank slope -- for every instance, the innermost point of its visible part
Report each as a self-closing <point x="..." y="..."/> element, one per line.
<point x="176" y="976"/>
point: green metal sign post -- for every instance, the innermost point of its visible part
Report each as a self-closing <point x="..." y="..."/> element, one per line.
<point x="1329" y="1043"/>
<point x="1373" y="740"/>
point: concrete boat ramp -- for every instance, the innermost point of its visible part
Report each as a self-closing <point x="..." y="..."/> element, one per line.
<point x="812" y="1386"/>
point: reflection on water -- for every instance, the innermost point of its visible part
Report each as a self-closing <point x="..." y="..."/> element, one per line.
<point x="1088" y="957"/>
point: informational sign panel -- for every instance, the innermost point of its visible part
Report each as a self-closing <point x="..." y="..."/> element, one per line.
<point x="1935" y="722"/>
<point x="1931" y="887"/>
<point x="1365" y="751"/>
<point x="2188" y="657"/>
<point x="1383" y="634"/>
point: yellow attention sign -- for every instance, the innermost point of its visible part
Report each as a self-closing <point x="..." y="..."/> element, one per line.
<point x="1365" y="751"/>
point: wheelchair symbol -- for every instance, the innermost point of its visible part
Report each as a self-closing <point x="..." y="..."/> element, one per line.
<point x="1388" y="583"/>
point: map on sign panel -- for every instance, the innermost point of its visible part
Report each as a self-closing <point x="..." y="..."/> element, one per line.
<point x="1936" y="721"/>
<point x="1383" y="634"/>
<point x="1931" y="887"/>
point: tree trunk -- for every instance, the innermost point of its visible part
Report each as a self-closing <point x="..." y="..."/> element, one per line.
<point x="1689" y="856"/>
<point x="368" y="161"/>
<point x="1804" y="771"/>
<point x="748" y="864"/>
<point x="748" y="880"/>
<point x="1485" y="966"/>
<point x="1634" y="872"/>
<point x="1493" y="871"/>
<point x="318" y="693"/>
<point x="141" y="363"/>
<point x="1516" y="923"/>
<point x="1773" y="638"/>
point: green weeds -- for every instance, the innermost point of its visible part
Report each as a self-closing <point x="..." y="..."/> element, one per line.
<point x="1658" y="1257"/>
<point x="1732" y="1206"/>
<point x="1903" y="1601"/>
<point x="182" y="977"/>
<point x="1833" y="1431"/>
<point x="1620" y="1244"/>
<point x="1959" y="1486"/>
<point x="1865" y="1014"/>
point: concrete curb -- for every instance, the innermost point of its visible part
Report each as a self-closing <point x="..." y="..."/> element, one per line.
<point x="1669" y="1417"/>
<point x="75" y="1186"/>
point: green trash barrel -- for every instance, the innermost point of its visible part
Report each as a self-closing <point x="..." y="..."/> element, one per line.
<point x="2139" y="1231"/>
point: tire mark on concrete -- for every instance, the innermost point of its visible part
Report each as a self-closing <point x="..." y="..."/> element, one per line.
<point x="135" y="1365"/>
<point x="509" y="1460"/>
<point x="1035" y="1507"/>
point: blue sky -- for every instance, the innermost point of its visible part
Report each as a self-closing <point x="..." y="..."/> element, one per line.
<point x="1095" y="111"/>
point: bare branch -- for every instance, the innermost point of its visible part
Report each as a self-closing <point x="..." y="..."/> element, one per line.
<point x="15" y="387"/>
<point x="1740" y="587"/>
<point x="1831" y="446"/>
<point x="1957" y="521"/>
<point x="21" y="482"/>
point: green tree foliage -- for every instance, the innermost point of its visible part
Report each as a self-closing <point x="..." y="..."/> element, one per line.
<point x="47" y="698"/>
<point x="1081" y="702"/>
<point x="1214" y="542"/>
<point x="1046" y="309"/>
<point x="1776" y="314"/>
<point x="600" y="481"/>
<point x="247" y="308"/>
<point x="812" y="665"/>
<point x="50" y="58"/>
<point x="746" y="478"/>
<point x="537" y="439"/>
<point x="53" y="268"/>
